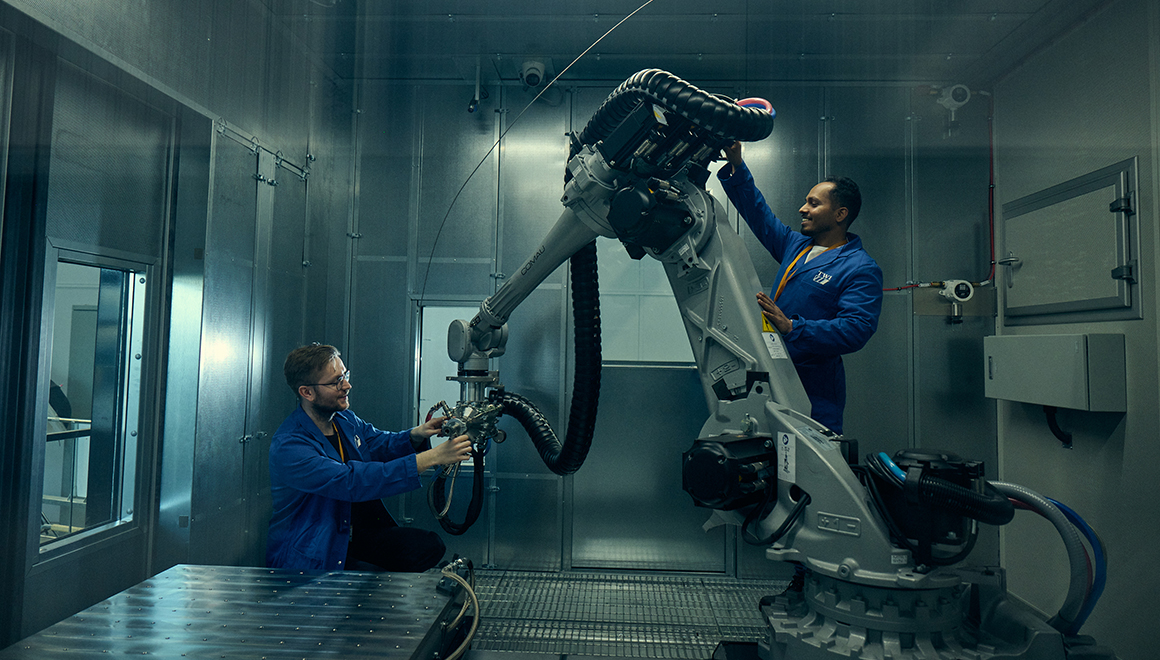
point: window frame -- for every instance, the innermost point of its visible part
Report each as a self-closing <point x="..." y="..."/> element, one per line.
<point x="139" y="519"/>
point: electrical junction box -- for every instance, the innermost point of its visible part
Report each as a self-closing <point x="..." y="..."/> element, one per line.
<point x="1081" y="372"/>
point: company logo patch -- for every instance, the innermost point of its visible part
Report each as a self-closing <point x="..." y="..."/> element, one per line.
<point x="822" y="278"/>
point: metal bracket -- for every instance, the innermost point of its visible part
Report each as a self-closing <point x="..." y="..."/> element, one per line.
<point x="1122" y="205"/>
<point x="1127" y="272"/>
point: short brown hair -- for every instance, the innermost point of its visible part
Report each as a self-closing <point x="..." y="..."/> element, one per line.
<point x="305" y="363"/>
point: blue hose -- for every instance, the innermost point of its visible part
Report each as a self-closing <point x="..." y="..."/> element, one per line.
<point x="1099" y="579"/>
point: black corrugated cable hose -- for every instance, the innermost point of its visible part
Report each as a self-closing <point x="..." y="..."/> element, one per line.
<point x="715" y="114"/>
<point x="567" y="458"/>
<point x="991" y="508"/>
<point x="437" y="498"/>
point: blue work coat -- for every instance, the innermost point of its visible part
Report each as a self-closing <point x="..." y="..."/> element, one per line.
<point x="312" y="488"/>
<point x="833" y="299"/>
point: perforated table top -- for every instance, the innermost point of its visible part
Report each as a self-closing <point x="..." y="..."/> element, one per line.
<point x="240" y="612"/>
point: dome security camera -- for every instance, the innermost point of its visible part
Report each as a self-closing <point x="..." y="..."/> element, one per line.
<point x="954" y="97"/>
<point x="532" y="73"/>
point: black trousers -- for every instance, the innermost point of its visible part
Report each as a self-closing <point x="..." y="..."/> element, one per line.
<point x="379" y="541"/>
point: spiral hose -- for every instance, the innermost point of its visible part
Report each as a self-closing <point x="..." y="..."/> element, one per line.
<point x="1077" y="582"/>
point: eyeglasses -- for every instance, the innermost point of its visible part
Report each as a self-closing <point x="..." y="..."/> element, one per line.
<point x="344" y="378"/>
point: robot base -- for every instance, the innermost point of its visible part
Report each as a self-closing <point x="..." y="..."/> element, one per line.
<point x="831" y="618"/>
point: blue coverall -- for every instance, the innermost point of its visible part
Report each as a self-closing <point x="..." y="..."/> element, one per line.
<point x="313" y="489"/>
<point x="833" y="300"/>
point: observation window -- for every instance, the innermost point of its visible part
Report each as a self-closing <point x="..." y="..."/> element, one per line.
<point x="93" y="396"/>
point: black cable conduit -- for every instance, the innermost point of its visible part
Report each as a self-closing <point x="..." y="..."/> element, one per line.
<point x="716" y="114"/>
<point x="567" y="458"/>
<point x="437" y="498"/>
<point x="991" y="508"/>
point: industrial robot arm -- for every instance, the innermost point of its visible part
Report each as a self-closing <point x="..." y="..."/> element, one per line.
<point x="876" y="542"/>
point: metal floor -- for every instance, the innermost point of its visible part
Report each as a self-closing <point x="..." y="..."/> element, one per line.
<point x="615" y="615"/>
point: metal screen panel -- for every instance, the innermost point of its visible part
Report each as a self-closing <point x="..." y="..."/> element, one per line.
<point x="454" y="143"/>
<point x="630" y="510"/>
<point x="218" y="511"/>
<point x="381" y="356"/>
<point x="528" y="522"/>
<point x="534" y="367"/>
<point x="106" y="144"/>
<point x="535" y="152"/>
<point x="390" y="128"/>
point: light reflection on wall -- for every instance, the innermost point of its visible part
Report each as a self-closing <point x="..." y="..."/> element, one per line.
<point x="221" y="351"/>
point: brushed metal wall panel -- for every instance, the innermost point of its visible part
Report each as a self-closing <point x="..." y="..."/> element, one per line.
<point x="412" y="509"/>
<point x="381" y="355"/>
<point x="286" y="297"/>
<point x="951" y="233"/>
<point x="534" y="367"/>
<point x="528" y="522"/>
<point x="878" y="382"/>
<point x="171" y="542"/>
<point x="454" y="143"/>
<point x="240" y="35"/>
<point x="390" y="128"/>
<point x="867" y="142"/>
<point x="535" y="152"/>
<point x="105" y="143"/>
<point x="218" y="510"/>
<point x="629" y="510"/>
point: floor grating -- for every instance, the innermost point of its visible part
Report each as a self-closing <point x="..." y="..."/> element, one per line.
<point x="614" y="615"/>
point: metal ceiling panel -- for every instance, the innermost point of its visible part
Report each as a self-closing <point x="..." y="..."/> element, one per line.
<point x="798" y="40"/>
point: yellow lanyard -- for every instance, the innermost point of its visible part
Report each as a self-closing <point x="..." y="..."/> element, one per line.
<point x="341" y="453"/>
<point x="789" y="271"/>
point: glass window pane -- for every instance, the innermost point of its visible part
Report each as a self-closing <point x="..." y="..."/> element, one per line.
<point x="94" y="389"/>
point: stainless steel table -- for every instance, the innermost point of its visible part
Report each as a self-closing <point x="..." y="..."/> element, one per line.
<point x="240" y="612"/>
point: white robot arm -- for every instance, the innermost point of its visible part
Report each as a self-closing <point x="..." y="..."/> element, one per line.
<point x="874" y="544"/>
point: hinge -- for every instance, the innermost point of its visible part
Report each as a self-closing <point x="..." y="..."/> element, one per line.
<point x="1122" y="205"/>
<point x="1127" y="272"/>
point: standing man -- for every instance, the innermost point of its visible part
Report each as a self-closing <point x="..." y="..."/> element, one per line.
<point x="828" y="293"/>
<point x="328" y="470"/>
